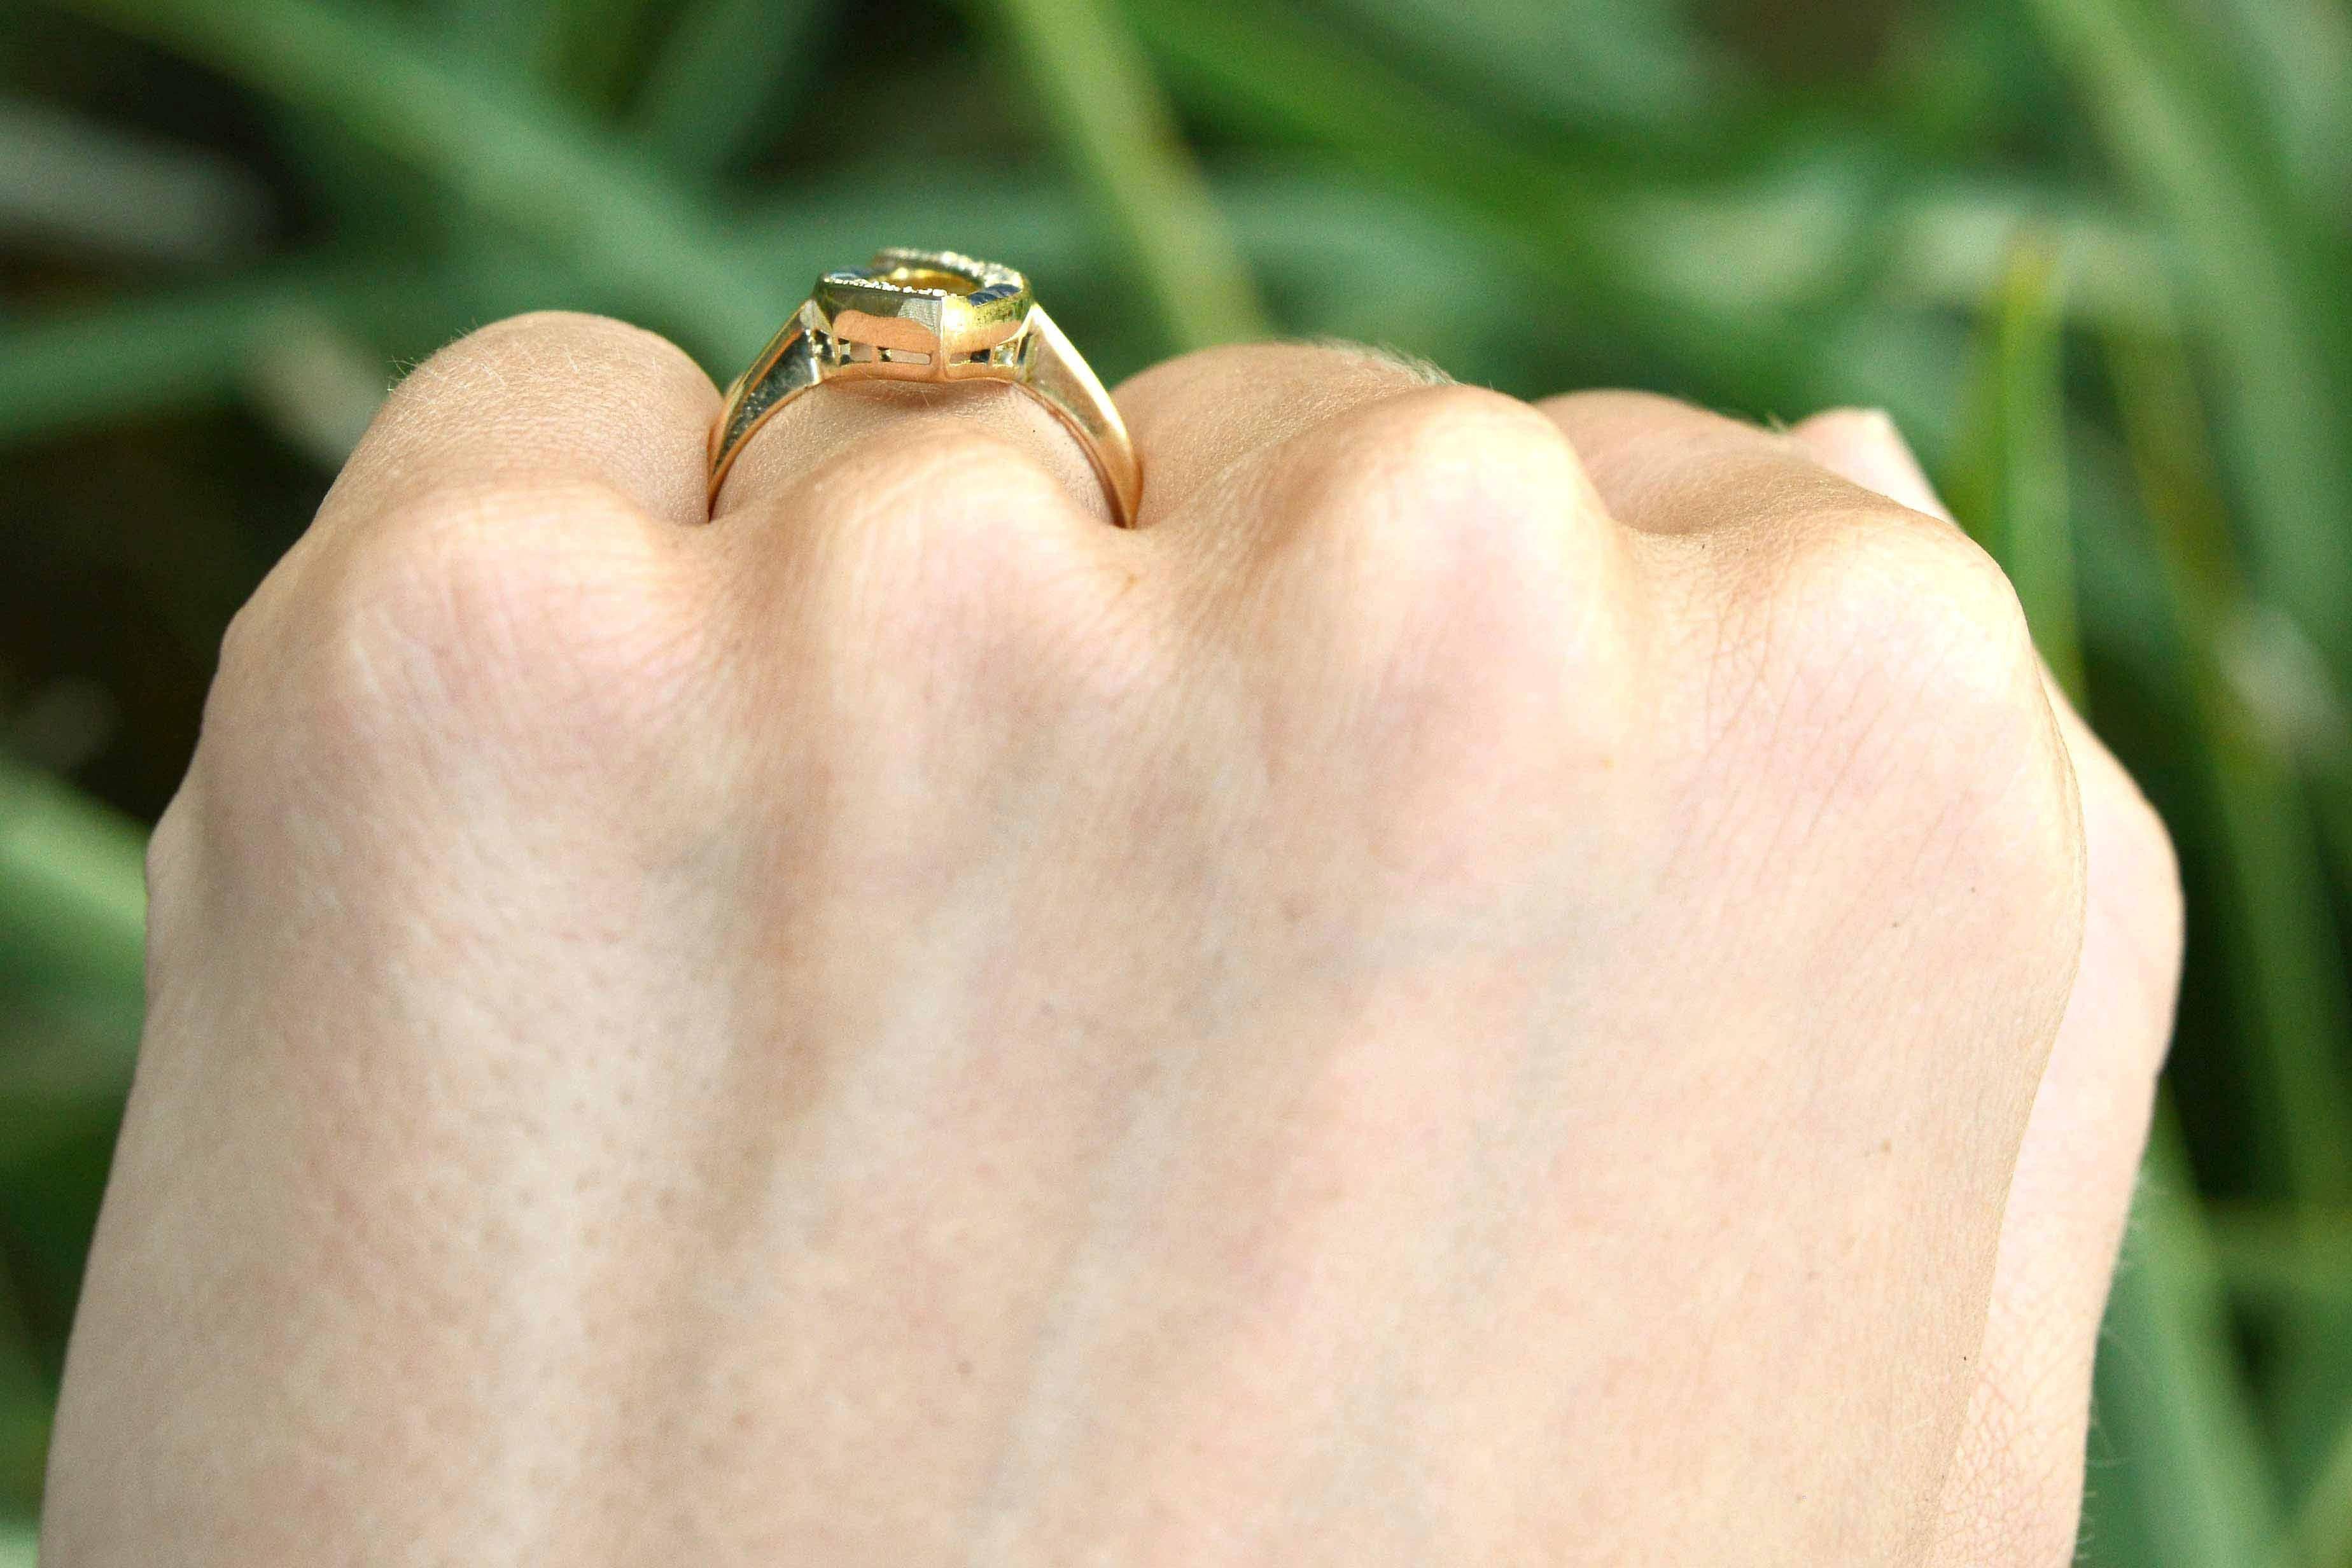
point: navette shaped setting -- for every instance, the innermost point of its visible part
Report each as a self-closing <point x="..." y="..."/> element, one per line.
<point x="935" y="316"/>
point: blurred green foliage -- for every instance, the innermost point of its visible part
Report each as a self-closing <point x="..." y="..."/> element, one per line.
<point x="2095" y="256"/>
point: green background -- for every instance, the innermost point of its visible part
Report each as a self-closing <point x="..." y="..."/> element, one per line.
<point x="2095" y="256"/>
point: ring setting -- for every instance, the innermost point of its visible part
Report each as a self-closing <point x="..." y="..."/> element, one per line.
<point x="931" y="316"/>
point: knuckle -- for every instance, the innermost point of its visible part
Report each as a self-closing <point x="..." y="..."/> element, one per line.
<point x="1467" y="604"/>
<point x="1889" y="686"/>
<point x="549" y="342"/>
<point x="1435" y="477"/>
<point x="1452" y="526"/>
<point x="1909" y="639"/>
<point x="522" y="612"/>
<point x="1923" y="607"/>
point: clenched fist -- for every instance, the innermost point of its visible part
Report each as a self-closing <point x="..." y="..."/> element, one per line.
<point x="1492" y="984"/>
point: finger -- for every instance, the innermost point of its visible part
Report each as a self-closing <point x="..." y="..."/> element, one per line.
<point x="1373" y="532"/>
<point x="539" y="402"/>
<point x="869" y="433"/>
<point x="1218" y="412"/>
<point x="1864" y="445"/>
<point x="1668" y="469"/>
<point x="2016" y="1484"/>
<point x="1353" y="476"/>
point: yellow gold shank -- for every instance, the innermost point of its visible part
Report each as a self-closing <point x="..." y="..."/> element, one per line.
<point x="938" y="316"/>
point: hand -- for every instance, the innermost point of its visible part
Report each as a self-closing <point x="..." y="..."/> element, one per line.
<point x="1482" y="989"/>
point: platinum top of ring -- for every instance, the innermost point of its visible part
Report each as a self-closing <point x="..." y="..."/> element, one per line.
<point x="934" y="316"/>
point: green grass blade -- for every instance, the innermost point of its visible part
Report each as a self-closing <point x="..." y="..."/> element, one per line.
<point x="2282" y="677"/>
<point x="590" y="50"/>
<point x="1279" y="73"/>
<point x="2192" y="1490"/>
<point x="591" y="200"/>
<point x="73" y="896"/>
<point x="2032" y="524"/>
<point x="1118" y="130"/>
<point x="2300" y="55"/>
<point x="1276" y="72"/>
<point x="2323" y="1527"/>
<point x="26" y="1407"/>
<point x="197" y="347"/>
<point x="1630" y="65"/>
<point x="64" y="1066"/>
<point x="2289" y="979"/>
<point x="2287" y="974"/>
<point x="2282" y="1261"/>
<point x="88" y="188"/>
<point x="1953" y="240"/>
<point x="2262" y="287"/>
<point x="2182" y="1483"/>
<point x="192" y="349"/>
<point x="729" y="71"/>
<point x="509" y="31"/>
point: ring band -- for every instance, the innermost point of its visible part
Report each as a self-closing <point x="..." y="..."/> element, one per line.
<point x="935" y="316"/>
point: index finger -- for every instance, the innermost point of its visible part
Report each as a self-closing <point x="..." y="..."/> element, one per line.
<point x="551" y="398"/>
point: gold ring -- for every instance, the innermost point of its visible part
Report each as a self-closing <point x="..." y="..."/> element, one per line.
<point x="930" y="315"/>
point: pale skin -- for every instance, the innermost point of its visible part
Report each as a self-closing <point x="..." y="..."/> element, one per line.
<point x="1496" y="983"/>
